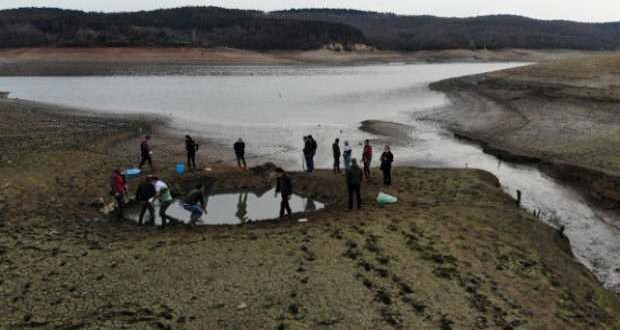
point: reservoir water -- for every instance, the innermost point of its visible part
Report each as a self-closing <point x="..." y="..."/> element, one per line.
<point x="273" y="107"/>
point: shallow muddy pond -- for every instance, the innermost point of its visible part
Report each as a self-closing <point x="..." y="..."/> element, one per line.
<point x="236" y="208"/>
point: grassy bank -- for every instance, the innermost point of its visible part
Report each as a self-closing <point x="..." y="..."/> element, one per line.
<point x="455" y="253"/>
<point x="562" y="114"/>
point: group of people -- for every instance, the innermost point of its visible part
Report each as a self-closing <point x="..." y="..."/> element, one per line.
<point x="153" y="189"/>
<point x="387" y="158"/>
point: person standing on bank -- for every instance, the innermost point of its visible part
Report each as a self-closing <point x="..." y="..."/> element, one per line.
<point x="146" y="152"/>
<point x="144" y="194"/>
<point x="386" y="166"/>
<point x="346" y="155"/>
<point x="239" y="147"/>
<point x="336" y="152"/>
<point x="118" y="184"/>
<point x="284" y="186"/>
<point x="310" y="147"/>
<point x="191" y="147"/>
<point x="162" y="192"/>
<point x="367" y="158"/>
<point x="354" y="182"/>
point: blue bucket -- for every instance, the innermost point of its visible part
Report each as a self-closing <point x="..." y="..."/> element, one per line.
<point x="180" y="168"/>
<point x="132" y="173"/>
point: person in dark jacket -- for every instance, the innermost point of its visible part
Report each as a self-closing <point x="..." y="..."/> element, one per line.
<point x="239" y="147"/>
<point x="310" y="147"/>
<point x="284" y="186"/>
<point x="146" y="152"/>
<point x="386" y="166"/>
<point x="354" y="181"/>
<point x="191" y="147"/>
<point x="367" y="158"/>
<point x="144" y="194"/>
<point x="118" y="183"/>
<point x="336" y="152"/>
<point x="194" y="202"/>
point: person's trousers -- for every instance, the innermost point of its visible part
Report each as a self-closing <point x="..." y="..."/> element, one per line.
<point x="191" y="160"/>
<point x="146" y="159"/>
<point x="347" y="163"/>
<point x="387" y="176"/>
<point x="241" y="160"/>
<point x="336" y="165"/>
<point x="309" y="162"/>
<point x="144" y="207"/>
<point x="355" y="190"/>
<point x="162" y="212"/>
<point x="285" y="207"/>
<point x="120" y="204"/>
<point x="367" y="169"/>
<point x="195" y="209"/>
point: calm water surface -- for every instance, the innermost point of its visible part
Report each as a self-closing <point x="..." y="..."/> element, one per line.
<point x="273" y="107"/>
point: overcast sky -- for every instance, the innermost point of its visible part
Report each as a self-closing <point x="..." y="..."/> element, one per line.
<point x="579" y="10"/>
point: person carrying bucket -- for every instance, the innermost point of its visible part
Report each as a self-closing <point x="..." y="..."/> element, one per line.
<point x="191" y="147"/>
<point x="162" y="193"/>
<point x="284" y="186"/>
<point x="146" y="152"/>
<point x="386" y="166"/>
<point x="194" y="202"/>
<point x="354" y="181"/>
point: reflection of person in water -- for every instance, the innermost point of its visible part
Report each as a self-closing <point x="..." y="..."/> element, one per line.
<point x="310" y="206"/>
<point x="242" y="207"/>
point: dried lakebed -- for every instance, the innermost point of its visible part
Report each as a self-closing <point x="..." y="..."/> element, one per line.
<point x="329" y="102"/>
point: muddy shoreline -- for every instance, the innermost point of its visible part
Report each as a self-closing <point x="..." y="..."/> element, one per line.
<point x="454" y="253"/>
<point x="491" y="111"/>
<point x="77" y="61"/>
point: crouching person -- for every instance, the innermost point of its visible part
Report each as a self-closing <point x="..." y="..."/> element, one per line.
<point x="194" y="202"/>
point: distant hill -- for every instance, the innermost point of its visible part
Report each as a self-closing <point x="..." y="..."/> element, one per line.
<point x="390" y="31"/>
<point x="295" y="29"/>
<point x="187" y="26"/>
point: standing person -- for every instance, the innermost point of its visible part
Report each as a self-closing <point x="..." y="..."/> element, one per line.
<point x="284" y="186"/>
<point x="144" y="194"/>
<point x="354" y="181"/>
<point x="309" y="153"/>
<point x="239" y="147"/>
<point x="336" y="152"/>
<point x="346" y="155"/>
<point x="367" y="158"/>
<point x="146" y="152"/>
<point x="386" y="166"/>
<point x="194" y="202"/>
<point x="118" y="184"/>
<point x="191" y="147"/>
<point x="162" y="193"/>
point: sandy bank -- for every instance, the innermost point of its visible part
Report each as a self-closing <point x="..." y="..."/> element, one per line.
<point x="455" y="253"/>
<point x="563" y="115"/>
<point x="96" y="61"/>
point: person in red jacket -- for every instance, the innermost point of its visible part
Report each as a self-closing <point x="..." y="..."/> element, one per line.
<point x="119" y="189"/>
<point x="367" y="158"/>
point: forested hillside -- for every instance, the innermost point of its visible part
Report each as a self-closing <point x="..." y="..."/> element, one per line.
<point x="295" y="29"/>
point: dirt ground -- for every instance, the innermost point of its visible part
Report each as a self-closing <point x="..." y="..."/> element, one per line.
<point x="454" y="253"/>
<point x="562" y="113"/>
<point x="111" y="60"/>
